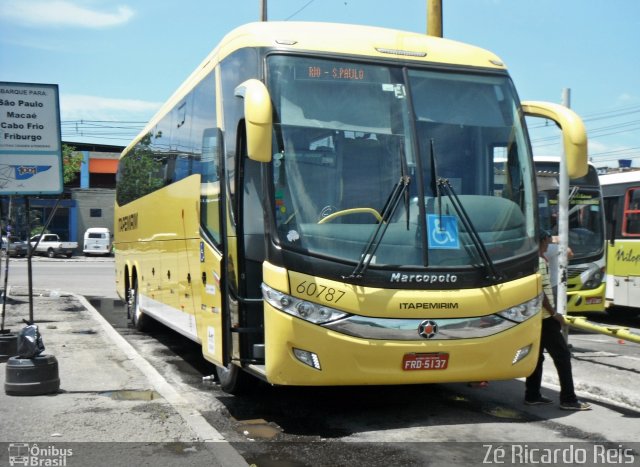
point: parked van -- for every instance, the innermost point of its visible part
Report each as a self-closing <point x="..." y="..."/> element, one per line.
<point x="97" y="241"/>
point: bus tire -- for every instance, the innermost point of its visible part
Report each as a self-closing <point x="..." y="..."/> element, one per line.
<point x="138" y="318"/>
<point x="233" y="380"/>
<point x="619" y="312"/>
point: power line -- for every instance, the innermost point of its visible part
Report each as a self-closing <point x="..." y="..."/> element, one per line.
<point x="305" y="6"/>
<point x="607" y="130"/>
<point x="619" y="112"/>
<point x="120" y="130"/>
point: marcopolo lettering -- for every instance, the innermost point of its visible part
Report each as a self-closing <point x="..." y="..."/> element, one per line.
<point x="424" y="278"/>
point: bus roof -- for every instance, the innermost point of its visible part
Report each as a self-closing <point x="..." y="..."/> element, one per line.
<point x="336" y="38"/>
<point x="554" y="159"/>
<point x="350" y="39"/>
<point x="630" y="176"/>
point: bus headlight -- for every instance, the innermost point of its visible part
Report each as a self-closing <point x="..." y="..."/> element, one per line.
<point x="592" y="277"/>
<point x="309" y="311"/>
<point x="524" y="311"/>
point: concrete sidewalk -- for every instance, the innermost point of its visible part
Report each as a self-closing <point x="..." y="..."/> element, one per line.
<point x="108" y="392"/>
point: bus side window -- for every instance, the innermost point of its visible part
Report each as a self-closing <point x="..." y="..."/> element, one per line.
<point x="210" y="184"/>
<point x="631" y="221"/>
<point x="611" y="218"/>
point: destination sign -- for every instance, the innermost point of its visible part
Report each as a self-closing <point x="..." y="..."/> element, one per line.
<point x="30" y="145"/>
<point x="331" y="71"/>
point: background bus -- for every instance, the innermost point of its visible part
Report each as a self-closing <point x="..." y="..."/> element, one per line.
<point x="621" y="193"/>
<point x="586" y="270"/>
<point x="317" y="205"/>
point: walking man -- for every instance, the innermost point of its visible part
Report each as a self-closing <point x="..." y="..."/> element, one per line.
<point x="553" y="342"/>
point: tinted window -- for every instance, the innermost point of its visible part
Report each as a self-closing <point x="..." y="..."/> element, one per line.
<point x="172" y="150"/>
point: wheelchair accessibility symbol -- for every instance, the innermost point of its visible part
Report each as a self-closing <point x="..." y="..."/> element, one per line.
<point x="443" y="232"/>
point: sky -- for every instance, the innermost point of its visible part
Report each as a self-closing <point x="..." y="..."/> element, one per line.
<point x="116" y="61"/>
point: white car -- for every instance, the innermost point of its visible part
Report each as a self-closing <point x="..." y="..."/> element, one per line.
<point x="97" y="241"/>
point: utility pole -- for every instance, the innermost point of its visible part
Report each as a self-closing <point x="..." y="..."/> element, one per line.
<point x="263" y="10"/>
<point x="434" y="18"/>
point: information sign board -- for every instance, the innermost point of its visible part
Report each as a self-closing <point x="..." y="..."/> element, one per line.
<point x="30" y="141"/>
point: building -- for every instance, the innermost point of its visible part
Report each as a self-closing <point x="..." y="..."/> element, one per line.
<point x="86" y="202"/>
<point x="94" y="197"/>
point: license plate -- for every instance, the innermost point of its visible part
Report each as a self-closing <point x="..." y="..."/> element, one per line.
<point x="425" y="361"/>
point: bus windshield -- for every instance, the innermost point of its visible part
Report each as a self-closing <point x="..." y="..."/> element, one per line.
<point x="348" y="134"/>
<point x="586" y="224"/>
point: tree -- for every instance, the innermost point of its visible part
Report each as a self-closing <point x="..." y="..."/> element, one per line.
<point x="140" y="171"/>
<point x="71" y="162"/>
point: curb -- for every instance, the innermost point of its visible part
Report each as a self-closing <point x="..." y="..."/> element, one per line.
<point x="205" y="432"/>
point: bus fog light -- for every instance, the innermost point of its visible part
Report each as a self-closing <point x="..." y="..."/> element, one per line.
<point x="308" y="358"/>
<point x="521" y="353"/>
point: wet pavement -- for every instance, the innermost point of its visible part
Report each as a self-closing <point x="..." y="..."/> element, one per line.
<point x="107" y="392"/>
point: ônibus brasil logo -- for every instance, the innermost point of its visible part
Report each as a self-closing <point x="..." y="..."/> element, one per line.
<point x="32" y="454"/>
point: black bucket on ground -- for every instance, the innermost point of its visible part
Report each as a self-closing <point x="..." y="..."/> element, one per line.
<point x="8" y="346"/>
<point x="32" y="376"/>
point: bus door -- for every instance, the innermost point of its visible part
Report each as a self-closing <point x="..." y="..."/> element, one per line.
<point x="624" y="255"/>
<point x="248" y="330"/>
<point x="613" y="210"/>
<point x="209" y="316"/>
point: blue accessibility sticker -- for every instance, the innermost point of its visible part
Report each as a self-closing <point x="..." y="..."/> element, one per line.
<point x="443" y="232"/>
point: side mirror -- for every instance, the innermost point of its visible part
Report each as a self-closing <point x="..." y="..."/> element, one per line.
<point x="258" y="119"/>
<point x="574" y="135"/>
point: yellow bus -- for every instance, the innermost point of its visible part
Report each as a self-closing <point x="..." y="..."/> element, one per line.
<point x="621" y="192"/>
<point x="316" y="205"/>
<point x="586" y="270"/>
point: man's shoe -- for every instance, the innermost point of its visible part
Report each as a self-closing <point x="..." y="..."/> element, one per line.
<point x="541" y="400"/>
<point x="577" y="405"/>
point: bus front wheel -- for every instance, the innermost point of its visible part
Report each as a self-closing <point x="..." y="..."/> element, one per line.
<point x="232" y="379"/>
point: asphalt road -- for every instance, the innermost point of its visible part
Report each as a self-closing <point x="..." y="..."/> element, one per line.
<point x="407" y="425"/>
<point x="88" y="276"/>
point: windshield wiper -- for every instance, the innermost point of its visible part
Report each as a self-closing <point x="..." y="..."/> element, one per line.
<point x="492" y="273"/>
<point x="374" y="240"/>
<point x="440" y="185"/>
<point x="435" y="178"/>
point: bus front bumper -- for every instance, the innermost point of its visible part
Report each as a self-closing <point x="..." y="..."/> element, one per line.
<point x="587" y="301"/>
<point x="345" y="360"/>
